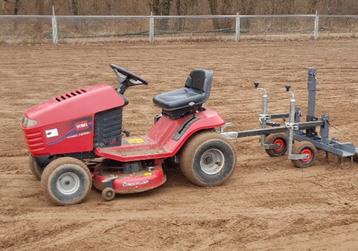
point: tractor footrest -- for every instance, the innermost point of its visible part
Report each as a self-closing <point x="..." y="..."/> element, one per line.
<point x="135" y="152"/>
<point x="128" y="153"/>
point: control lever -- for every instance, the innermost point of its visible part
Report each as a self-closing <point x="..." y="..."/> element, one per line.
<point x="126" y="133"/>
<point x="191" y="105"/>
<point x="288" y="88"/>
<point x="261" y="89"/>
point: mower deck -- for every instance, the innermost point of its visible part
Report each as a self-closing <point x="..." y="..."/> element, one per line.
<point x="123" y="183"/>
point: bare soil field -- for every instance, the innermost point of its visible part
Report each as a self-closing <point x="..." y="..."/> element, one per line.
<point x="266" y="205"/>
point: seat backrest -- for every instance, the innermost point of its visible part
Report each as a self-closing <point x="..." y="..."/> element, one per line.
<point x="200" y="80"/>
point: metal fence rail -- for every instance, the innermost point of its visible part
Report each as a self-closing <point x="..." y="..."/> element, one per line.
<point x="52" y="28"/>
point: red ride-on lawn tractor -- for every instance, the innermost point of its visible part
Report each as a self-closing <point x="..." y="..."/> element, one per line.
<point x="76" y="140"/>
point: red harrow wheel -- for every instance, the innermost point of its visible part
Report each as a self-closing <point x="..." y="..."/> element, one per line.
<point x="278" y="139"/>
<point x="307" y="148"/>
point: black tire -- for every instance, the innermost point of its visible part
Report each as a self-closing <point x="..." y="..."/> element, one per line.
<point x="281" y="140"/>
<point x="35" y="168"/>
<point x="198" y="156"/>
<point x="304" y="147"/>
<point x="355" y="158"/>
<point x="62" y="174"/>
<point x="108" y="194"/>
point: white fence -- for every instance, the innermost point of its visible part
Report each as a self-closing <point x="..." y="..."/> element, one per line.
<point x="51" y="28"/>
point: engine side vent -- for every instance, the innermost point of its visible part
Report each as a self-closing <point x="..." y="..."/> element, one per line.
<point x="70" y="95"/>
<point x="35" y="141"/>
<point x="108" y="128"/>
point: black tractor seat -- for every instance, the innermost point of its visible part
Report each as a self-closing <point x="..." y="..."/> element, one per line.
<point x="196" y="92"/>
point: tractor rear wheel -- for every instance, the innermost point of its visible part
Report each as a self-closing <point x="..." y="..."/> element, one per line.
<point x="35" y="168"/>
<point x="281" y="142"/>
<point x="207" y="159"/>
<point x="304" y="147"/>
<point x="66" y="181"/>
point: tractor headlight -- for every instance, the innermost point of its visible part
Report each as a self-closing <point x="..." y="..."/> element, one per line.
<point x="26" y="122"/>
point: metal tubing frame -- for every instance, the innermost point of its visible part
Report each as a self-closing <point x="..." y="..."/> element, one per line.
<point x="264" y="114"/>
<point x="269" y="130"/>
<point x="311" y="87"/>
<point x="279" y="116"/>
<point x="333" y="147"/>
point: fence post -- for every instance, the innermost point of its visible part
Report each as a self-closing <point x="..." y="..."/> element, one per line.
<point x="237" y="28"/>
<point x="316" y="26"/>
<point x="54" y="27"/>
<point x="151" y="28"/>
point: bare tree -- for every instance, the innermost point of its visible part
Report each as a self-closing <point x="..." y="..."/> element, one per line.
<point x="213" y="5"/>
<point x="154" y="6"/>
<point x="75" y="7"/>
<point x="161" y="7"/>
<point x="39" y="6"/>
<point x="16" y="7"/>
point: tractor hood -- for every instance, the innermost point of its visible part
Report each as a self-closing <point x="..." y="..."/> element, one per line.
<point x="74" y="104"/>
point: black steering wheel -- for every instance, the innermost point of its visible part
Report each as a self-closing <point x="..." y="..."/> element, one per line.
<point x="126" y="78"/>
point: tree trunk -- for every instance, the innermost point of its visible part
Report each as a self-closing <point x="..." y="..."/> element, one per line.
<point x="16" y="7"/>
<point x="16" y="11"/>
<point x="154" y="6"/>
<point x="213" y="5"/>
<point x="164" y="11"/>
<point x="39" y="5"/>
<point x="75" y="6"/>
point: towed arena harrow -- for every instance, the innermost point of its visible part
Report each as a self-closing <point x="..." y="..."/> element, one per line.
<point x="300" y="140"/>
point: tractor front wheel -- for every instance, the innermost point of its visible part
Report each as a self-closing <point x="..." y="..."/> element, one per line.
<point x="304" y="147"/>
<point x="66" y="181"/>
<point x="35" y="168"/>
<point x="207" y="159"/>
<point x="280" y="141"/>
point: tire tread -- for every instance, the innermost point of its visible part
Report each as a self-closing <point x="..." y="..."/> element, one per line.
<point x="298" y="147"/>
<point x="189" y="149"/>
<point x="52" y="166"/>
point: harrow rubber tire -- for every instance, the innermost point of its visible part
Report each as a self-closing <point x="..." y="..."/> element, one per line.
<point x="304" y="147"/>
<point x="108" y="194"/>
<point x="277" y="138"/>
<point x="35" y="168"/>
<point x="191" y="159"/>
<point x="69" y="167"/>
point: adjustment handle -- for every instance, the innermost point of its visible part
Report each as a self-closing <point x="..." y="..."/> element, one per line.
<point x="256" y="84"/>
<point x="288" y="87"/>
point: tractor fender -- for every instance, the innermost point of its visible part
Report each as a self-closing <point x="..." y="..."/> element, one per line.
<point x="191" y="125"/>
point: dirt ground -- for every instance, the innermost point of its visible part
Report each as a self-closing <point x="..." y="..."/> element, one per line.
<point x="266" y="205"/>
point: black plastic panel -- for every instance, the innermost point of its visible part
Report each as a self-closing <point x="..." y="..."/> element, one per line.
<point x="108" y="128"/>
